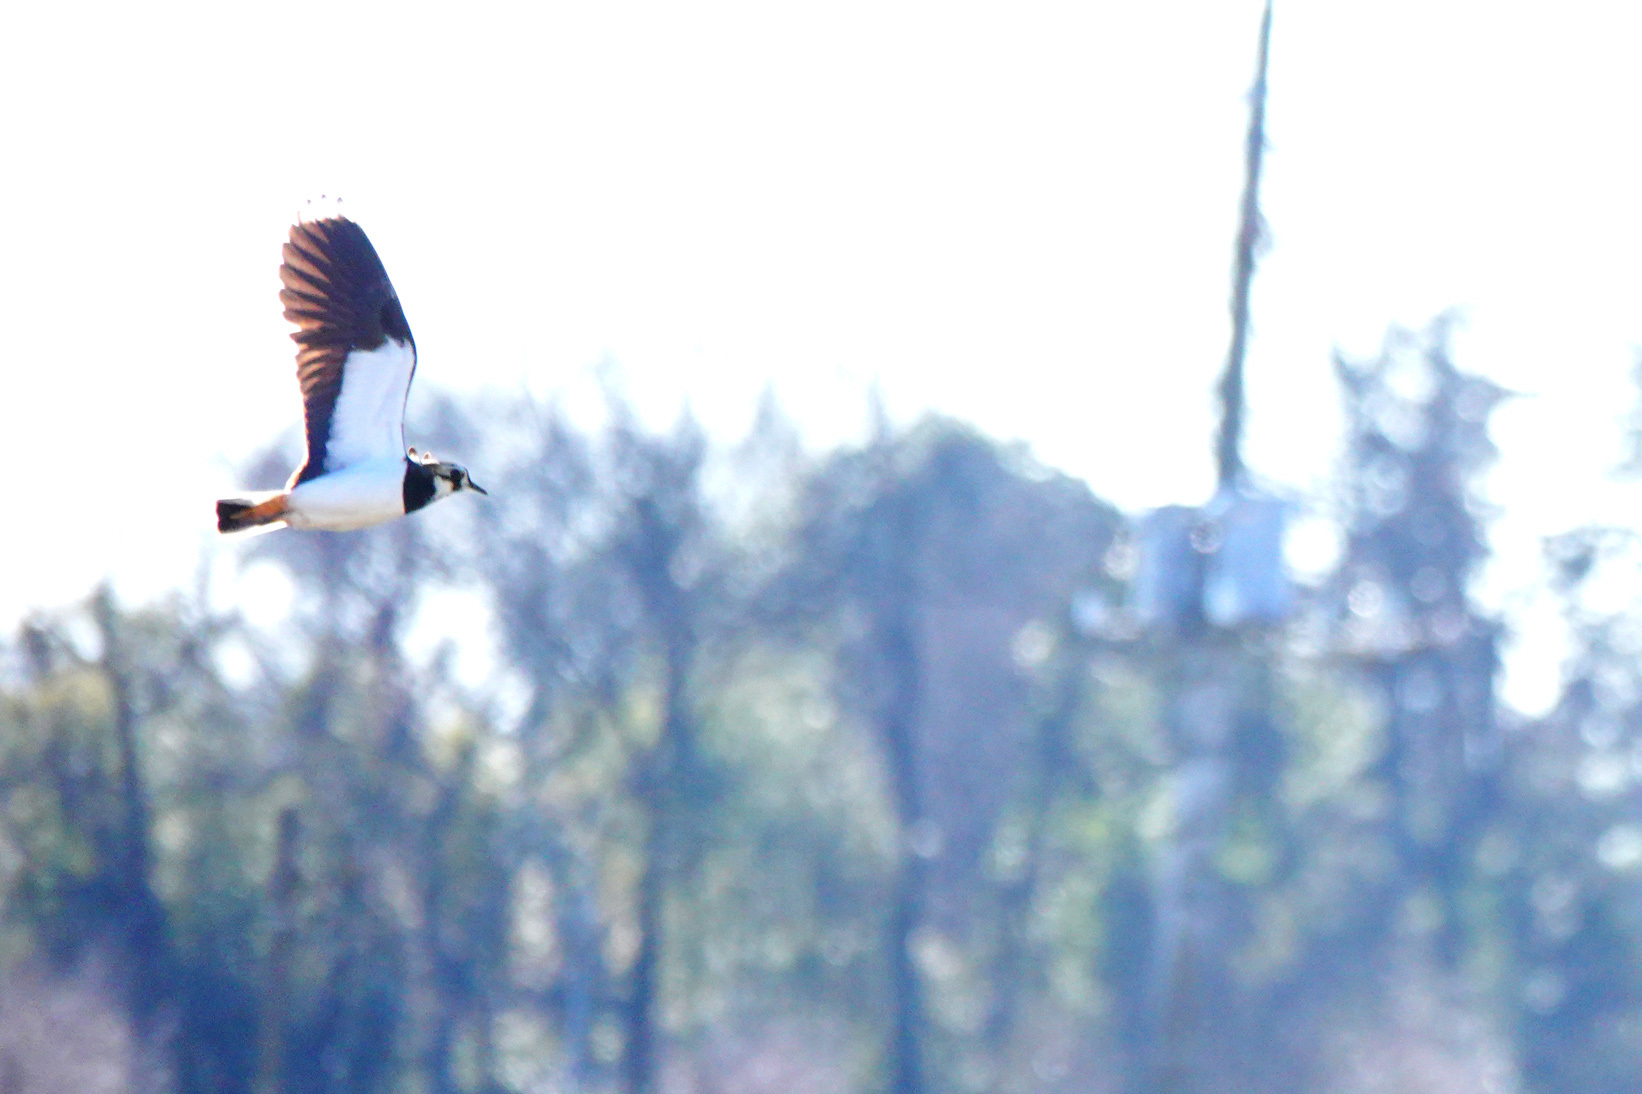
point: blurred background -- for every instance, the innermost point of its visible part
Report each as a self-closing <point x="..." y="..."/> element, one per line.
<point x="903" y="651"/>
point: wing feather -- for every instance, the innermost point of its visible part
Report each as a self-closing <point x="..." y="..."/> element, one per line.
<point x="338" y="294"/>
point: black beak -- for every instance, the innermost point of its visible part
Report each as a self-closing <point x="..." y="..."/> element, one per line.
<point x="475" y="486"/>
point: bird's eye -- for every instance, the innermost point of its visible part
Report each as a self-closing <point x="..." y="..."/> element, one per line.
<point x="456" y="476"/>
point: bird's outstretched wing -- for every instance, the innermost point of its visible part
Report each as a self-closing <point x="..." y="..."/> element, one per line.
<point x="356" y="356"/>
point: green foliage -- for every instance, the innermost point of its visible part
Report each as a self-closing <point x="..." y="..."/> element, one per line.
<point x="779" y="758"/>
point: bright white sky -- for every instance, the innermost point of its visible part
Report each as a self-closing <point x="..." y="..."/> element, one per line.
<point x="1020" y="214"/>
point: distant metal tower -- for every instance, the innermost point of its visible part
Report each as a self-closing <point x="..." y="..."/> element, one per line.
<point x="1250" y="232"/>
<point x="1211" y="583"/>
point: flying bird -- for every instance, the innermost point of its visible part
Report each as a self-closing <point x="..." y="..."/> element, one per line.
<point x="354" y="363"/>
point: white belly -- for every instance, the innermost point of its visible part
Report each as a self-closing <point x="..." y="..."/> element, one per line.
<point x="355" y="497"/>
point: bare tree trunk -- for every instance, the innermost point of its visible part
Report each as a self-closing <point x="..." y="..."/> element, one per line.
<point x="906" y="990"/>
<point x="640" y="1062"/>
<point x="672" y="757"/>
<point x="1047" y="765"/>
<point x="898" y="649"/>
<point x="143" y="929"/>
<point x="276" y="983"/>
<point x="583" y="978"/>
<point x="665" y="764"/>
<point x="432" y="960"/>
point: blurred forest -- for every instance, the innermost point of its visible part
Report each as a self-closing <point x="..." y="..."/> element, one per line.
<point x="902" y="768"/>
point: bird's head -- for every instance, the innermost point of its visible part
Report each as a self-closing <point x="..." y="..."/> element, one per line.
<point x="448" y="478"/>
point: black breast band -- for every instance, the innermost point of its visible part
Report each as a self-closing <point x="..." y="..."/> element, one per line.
<point x="418" y="489"/>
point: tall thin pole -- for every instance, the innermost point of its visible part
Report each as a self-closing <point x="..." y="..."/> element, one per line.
<point x="1228" y="458"/>
<point x="1209" y="672"/>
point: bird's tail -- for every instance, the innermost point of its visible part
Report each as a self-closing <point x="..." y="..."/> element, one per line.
<point x="239" y="514"/>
